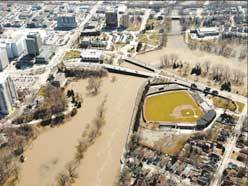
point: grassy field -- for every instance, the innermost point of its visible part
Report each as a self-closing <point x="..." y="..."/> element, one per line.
<point x="173" y="106"/>
<point x="149" y="38"/>
<point x="133" y="27"/>
<point x="119" y="45"/>
<point x="153" y="21"/>
<point x="173" y="145"/>
<point x="240" y="106"/>
<point x="72" y="54"/>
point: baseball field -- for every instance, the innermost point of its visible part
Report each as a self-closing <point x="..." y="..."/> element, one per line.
<point x="171" y="107"/>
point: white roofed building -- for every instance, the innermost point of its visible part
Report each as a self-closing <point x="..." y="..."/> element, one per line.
<point x="4" y="61"/>
<point x="206" y="33"/>
<point x="14" y="45"/>
<point x="91" y="55"/>
<point x="14" y="41"/>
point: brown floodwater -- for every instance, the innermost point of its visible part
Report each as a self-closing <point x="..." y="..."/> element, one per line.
<point x="55" y="147"/>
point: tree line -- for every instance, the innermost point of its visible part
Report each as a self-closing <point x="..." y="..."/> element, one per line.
<point x="70" y="173"/>
<point x="217" y="73"/>
<point x="221" y="48"/>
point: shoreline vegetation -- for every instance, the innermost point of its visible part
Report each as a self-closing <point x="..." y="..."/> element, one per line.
<point x="89" y="135"/>
<point x="19" y="139"/>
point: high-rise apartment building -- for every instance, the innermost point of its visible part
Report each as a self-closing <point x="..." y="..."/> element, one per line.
<point x="33" y="43"/>
<point x="15" y="46"/>
<point x="4" y="61"/>
<point x="8" y="94"/>
<point x="111" y="17"/>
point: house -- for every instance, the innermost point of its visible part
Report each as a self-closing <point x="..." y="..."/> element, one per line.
<point x="242" y="157"/>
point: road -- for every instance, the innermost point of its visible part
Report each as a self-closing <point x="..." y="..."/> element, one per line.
<point x="144" y="20"/>
<point x="144" y="65"/>
<point x="180" y="79"/>
<point x="113" y="68"/>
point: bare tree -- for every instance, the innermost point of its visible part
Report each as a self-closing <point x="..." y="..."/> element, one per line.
<point x="161" y="65"/>
<point x="163" y="39"/>
<point x="185" y="69"/>
<point x="217" y="72"/>
<point x="208" y="46"/>
<point x="205" y="68"/>
<point x="222" y="47"/>
<point x="243" y="54"/>
<point x="81" y="148"/>
<point x="14" y="172"/>
<point x="63" y="179"/>
<point x="93" y="86"/>
<point x="167" y="24"/>
<point x="227" y="51"/>
<point x="192" y="45"/>
<point x="109" y="60"/>
<point x="113" y="79"/>
<point x="226" y="73"/>
<point x="71" y="169"/>
<point x="173" y="58"/>
<point x="238" y="77"/>
<point x="165" y="61"/>
<point x="124" y="177"/>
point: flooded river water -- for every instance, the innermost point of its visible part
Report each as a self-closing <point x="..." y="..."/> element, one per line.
<point x="55" y="147"/>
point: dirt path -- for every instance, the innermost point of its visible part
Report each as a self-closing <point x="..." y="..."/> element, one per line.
<point x="55" y="147"/>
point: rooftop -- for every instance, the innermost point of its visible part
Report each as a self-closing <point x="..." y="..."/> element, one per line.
<point x="66" y="15"/>
<point x="46" y="53"/>
<point x="91" y="53"/>
<point x="210" y="29"/>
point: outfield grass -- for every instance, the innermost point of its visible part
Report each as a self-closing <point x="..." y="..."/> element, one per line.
<point x="162" y="108"/>
<point x="224" y="103"/>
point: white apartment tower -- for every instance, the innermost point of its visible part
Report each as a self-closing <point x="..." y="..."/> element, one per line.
<point x="15" y="46"/>
<point x="8" y="94"/>
<point x="4" y="61"/>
